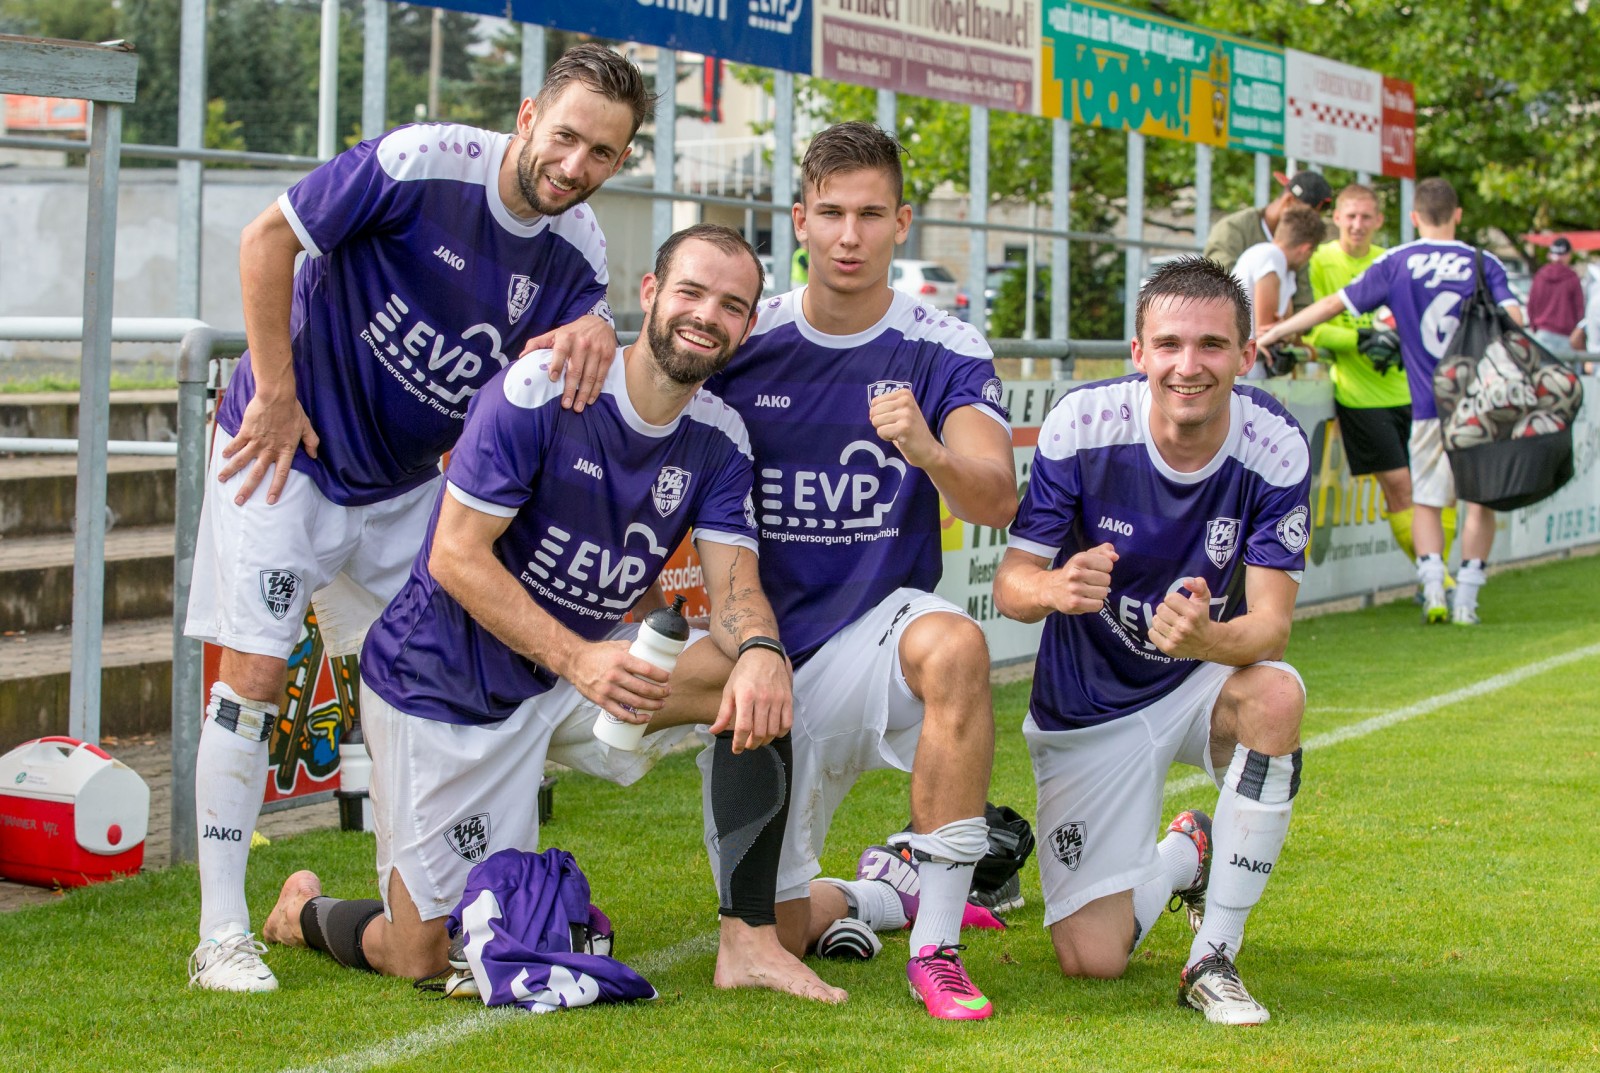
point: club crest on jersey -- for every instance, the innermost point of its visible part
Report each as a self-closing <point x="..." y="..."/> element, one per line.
<point x="1222" y="540"/>
<point x="671" y="484"/>
<point x="277" y="591"/>
<point x="470" y="838"/>
<point x="519" y="296"/>
<point x="883" y="387"/>
<point x="1294" y="529"/>
<point x="1067" y="842"/>
<point x="992" y="391"/>
<point x="749" y="511"/>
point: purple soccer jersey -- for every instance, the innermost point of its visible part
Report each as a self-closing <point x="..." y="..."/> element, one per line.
<point x="844" y="519"/>
<point x="1097" y="478"/>
<point x="1424" y="283"/>
<point x="419" y="285"/>
<point x="517" y="917"/>
<point x="597" y="503"/>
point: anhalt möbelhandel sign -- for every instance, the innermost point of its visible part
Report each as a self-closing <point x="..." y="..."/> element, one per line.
<point x="981" y="52"/>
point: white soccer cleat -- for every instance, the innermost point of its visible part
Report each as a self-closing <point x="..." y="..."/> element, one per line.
<point x="1464" y="616"/>
<point x="1212" y="986"/>
<point x="230" y="960"/>
<point x="850" y="939"/>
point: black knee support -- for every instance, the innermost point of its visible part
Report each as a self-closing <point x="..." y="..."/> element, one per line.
<point x="334" y="926"/>
<point x="750" y="808"/>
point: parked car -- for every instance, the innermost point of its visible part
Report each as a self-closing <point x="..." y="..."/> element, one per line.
<point x="931" y="282"/>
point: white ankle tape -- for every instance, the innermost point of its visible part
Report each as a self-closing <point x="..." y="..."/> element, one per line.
<point x="959" y="842"/>
<point x="250" y="719"/>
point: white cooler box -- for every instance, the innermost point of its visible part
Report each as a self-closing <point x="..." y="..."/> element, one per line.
<point x="69" y="814"/>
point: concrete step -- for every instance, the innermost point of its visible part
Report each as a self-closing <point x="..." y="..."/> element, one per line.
<point x="135" y="681"/>
<point x="36" y="575"/>
<point x="38" y="493"/>
<point x="135" y="415"/>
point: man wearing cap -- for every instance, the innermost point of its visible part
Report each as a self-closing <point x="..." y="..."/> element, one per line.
<point x="1555" y="301"/>
<point x="1237" y="232"/>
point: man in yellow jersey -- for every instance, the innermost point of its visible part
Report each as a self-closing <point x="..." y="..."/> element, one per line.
<point x="1370" y="395"/>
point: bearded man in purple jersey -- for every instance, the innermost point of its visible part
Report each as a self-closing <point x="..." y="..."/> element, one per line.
<point x="434" y="255"/>
<point x="1424" y="283"/>
<point x="1162" y="539"/>
<point x="865" y="407"/>
<point x="507" y="641"/>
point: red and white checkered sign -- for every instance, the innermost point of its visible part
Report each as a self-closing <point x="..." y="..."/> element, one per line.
<point x="1333" y="114"/>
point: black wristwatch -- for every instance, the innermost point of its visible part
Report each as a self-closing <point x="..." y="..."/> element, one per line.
<point x="770" y="643"/>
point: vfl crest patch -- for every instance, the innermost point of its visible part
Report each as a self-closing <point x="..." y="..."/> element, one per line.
<point x="883" y="387"/>
<point x="519" y="296"/>
<point x="671" y="484"/>
<point x="470" y="838"/>
<point x="749" y="511"/>
<point x="277" y="591"/>
<point x="1222" y="540"/>
<point x="992" y="391"/>
<point x="1067" y="842"/>
<point x="1294" y="529"/>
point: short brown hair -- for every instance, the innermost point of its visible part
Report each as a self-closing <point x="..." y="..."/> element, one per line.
<point x="1435" y="201"/>
<point x="852" y="147"/>
<point x="1354" y="191"/>
<point x="603" y="71"/>
<point x="1300" y="223"/>
<point x="1197" y="279"/>
<point x="723" y="238"/>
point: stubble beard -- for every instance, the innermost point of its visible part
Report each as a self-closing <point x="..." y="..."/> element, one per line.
<point x="528" y="184"/>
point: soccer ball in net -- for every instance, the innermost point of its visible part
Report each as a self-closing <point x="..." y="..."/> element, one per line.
<point x="1538" y="423"/>
<point x="1556" y="390"/>
<point x="1450" y="381"/>
<point x="1468" y="429"/>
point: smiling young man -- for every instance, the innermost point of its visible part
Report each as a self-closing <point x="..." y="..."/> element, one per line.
<point x="433" y="256"/>
<point x="507" y="640"/>
<point x="865" y="407"/>
<point x="1161" y="537"/>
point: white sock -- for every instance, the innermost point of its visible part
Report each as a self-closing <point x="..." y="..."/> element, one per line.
<point x="1469" y="579"/>
<point x="230" y="779"/>
<point x="946" y="880"/>
<point x="873" y="902"/>
<point x="1431" y="574"/>
<point x="1149" y="902"/>
<point x="1248" y="833"/>
<point x="1181" y="858"/>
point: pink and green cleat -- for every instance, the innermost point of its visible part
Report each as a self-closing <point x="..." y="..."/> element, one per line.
<point x="940" y="980"/>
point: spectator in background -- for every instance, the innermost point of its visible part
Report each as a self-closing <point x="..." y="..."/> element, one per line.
<point x="1235" y="233"/>
<point x="1555" y="300"/>
<point x="1586" y="336"/>
<point x="1269" y="272"/>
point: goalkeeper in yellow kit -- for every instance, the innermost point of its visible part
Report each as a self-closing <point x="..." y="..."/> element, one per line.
<point x="1370" y="395"/>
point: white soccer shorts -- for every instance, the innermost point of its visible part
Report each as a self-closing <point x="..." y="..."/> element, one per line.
<point x="1432" y="483"/>
<point x="256" y="567"/>
<point x="445" y="796"/>
<point x="1100" y="789"/>
<point x="853" y="713"/>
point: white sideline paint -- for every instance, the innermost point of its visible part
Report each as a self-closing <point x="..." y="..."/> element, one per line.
<point x="423" y="1040"/>
<point x="1422" y="707"/>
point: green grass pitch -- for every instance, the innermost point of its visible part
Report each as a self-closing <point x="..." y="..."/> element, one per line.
<point x="1435" y="908"/>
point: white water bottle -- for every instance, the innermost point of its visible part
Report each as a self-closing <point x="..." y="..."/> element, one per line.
<point x="355" y="777"/>
<point x="662" y="635"/>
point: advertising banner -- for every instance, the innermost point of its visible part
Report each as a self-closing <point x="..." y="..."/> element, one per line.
<point x="1333" y="114"/>
<point x="766" y="33"/>
<point x="978" y="52"/>
<point x="1125" y="70"/>
<point x="1399" y="129"/>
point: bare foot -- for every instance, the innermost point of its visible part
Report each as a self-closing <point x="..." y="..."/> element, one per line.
<point x="753" y="957"/>
<point x="283" y="923"/>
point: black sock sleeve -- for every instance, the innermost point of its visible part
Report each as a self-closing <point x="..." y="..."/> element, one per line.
<point x="334" y="926"/>
<point x="750" y="809"/>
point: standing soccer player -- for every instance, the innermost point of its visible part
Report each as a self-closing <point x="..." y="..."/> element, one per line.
<point x="1161" y="538"/>
<point x="864" y="408"/>
<point x="434" y="255"/>
<point x="551" y="526"/>
<point x="1424" y="284"/>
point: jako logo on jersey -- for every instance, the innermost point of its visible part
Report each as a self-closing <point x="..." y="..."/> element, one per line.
<point x="671" y="484"/>
<point x="583" y="465"/>
<point x="278" y="588"/>
<point x="1067" y="843"/>
<point x="1222" y="540"/>
<point x="1294" y="529"/>
<point x="780" y="402"/>
<point x="454" y="260"/>
<point x="883" y="387"/>
<point x="470" y="838"/>
<point x="519" y="296"/>
<point x="1116" y="525"/>
<point x="1264" y="867"/>
<point x="417" y="348"/>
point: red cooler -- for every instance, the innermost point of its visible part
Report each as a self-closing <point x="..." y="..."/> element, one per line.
<point x="69" y="814"/>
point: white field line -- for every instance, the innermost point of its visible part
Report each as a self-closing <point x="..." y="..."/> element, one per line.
<point x="1411" y="711"/>
<point x="423" y="1040"/>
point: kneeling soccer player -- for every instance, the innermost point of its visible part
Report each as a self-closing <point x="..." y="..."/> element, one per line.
<point x="1162" y="537"/>
<point x="507" y="640"/>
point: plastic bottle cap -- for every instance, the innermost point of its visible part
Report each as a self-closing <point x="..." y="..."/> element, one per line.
<point x="114" y="834"/>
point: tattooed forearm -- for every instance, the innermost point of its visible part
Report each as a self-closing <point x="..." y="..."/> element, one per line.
<point x="744" y="611"/>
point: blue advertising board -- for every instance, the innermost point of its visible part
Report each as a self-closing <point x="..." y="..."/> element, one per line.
<point x="765" y="33"/>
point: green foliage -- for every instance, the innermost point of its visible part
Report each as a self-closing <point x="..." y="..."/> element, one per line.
<point x="65" y="20"/>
